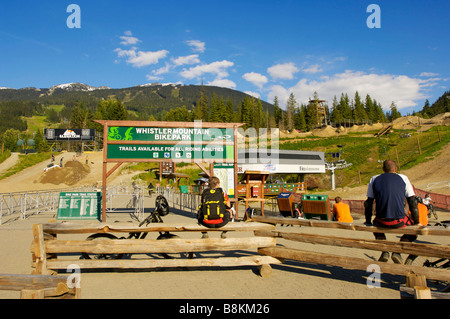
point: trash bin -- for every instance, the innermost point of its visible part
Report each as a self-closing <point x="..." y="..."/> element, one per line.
<point x="285" y="202"/>
<point x="317" y="207"/>
<point x="184" y="189"/>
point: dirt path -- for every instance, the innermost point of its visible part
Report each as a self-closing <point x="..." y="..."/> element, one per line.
<point x="9" y="162"/>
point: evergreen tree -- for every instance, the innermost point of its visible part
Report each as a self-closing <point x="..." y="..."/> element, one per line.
<point x="40" y="142"/>
<point x="217" y="110"/>
<point x="394" y="114"/>
<point x="201" y="109"/>
<point x="78" y="117"/>
<point x="344" y="107"/>
<point x="300" y="122"/>
<point x="229" y="115"/>
<point x="247" y="107"/>
<point x="113" y="109"/>
<point x="370" y="109"/>
<point x="290" y="109"/>
<point x="277" y="112"/>
<point x="335" y="116"/>
<point x="359" y="112"/>
<point x="380" y="116"/>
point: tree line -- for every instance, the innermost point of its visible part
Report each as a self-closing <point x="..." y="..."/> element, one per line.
<point x="209" y="108"/>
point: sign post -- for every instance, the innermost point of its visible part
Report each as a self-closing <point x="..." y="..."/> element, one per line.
<point x="196" y="142"/>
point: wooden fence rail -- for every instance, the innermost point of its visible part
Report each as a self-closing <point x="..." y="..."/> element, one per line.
<point x="418" y="249"/>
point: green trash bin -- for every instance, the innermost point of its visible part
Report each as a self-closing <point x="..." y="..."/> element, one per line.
<point x="184" y="189"/>
<point x="316" y="207"/>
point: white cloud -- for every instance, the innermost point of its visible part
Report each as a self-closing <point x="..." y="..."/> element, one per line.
<point x="254" y="94"/>
<point x="312" y="69"/>
<point x="226" y="83"/>
<point x="427" y="74"/>
<point x="141" y="58"/>
<point x="196" y="45"/>
<point x="385" y="88"/>
<point x="128" y="39"/>
<point x="283" y="71"/>
<point x="189" y="59"/>
<point x="219" y="68"/>
<point x="257" y="79"/>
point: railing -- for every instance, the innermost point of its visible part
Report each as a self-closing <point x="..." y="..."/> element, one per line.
<point x="29" y="203"/>
<point x="21" y="205"/>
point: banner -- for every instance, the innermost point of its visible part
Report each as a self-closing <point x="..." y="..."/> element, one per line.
<point x="69" y="134"/>
<point x="123" y="133"/>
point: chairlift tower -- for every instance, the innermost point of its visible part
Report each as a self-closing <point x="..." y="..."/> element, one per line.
<point x="339" y="164"/>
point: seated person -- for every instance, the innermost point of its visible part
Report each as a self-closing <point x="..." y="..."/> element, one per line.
<point x="215" y="204"/>
<point x="341" y="211"/>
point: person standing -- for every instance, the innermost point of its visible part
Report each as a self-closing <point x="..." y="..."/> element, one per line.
<point x="389" y="191"/>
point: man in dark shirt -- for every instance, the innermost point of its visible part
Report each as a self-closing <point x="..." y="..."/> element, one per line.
<point x="389" y="191"/>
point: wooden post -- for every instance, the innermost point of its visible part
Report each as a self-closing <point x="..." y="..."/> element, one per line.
<point x="105" y="166"/>
<point x="39" y="250"/>
<point x="235" y="172"/>
<point x="418" y="143"/>
<point x="398" y="160"/>
<point x="422" y="292"/>
<point x="419" y="283"/>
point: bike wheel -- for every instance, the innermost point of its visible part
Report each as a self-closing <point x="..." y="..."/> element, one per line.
<point x="102" y="256"/>
<point x="168" y="236"/>
<point x="433" y="262"/>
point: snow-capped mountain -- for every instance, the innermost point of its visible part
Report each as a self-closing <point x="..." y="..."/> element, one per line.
<point x="73" y="87"/>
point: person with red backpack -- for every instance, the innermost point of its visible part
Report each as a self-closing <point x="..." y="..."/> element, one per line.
<point x="215" y="205"/>
<point x="389" y="191"/>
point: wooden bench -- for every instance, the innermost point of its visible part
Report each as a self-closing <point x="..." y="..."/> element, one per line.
<point x="418" y="249"/>
<point x="39" y="286"/>
<point x="51" y="252"/>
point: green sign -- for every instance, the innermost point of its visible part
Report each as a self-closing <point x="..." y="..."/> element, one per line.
<point x="167" y="152"/>
<point x="79" y="206"/>
<point x="123" y="133"/>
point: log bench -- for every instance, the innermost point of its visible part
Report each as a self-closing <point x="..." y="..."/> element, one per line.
<point x="418" y="249"/>
<point x="39" y="286"/>
<point x="51" y="252"/>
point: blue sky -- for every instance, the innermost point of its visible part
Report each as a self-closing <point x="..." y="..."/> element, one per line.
<point x="266" y="48"/>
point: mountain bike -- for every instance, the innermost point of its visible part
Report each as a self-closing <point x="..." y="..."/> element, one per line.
<point x="161" y="209"/>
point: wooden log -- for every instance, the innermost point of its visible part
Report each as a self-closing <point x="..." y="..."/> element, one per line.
<point x="32" y="294"/>
<point x="265" y="270"/>
<point x="353" y="263"/>
<point x="429" y="250"/>
<point x="36" y="286"/>
<point x="161" y="263"/>
<point x="136" y="246"/>
<point x="40" y="253"/>
<point x="88" y="228"/>
<point x="409" y="293"/>
<point x="421" y="292"/>
<point x="410" y="230"/>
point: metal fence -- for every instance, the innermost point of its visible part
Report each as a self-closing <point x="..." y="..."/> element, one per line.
<point x="25" y="204"/>
<point x="20" y="205"/>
